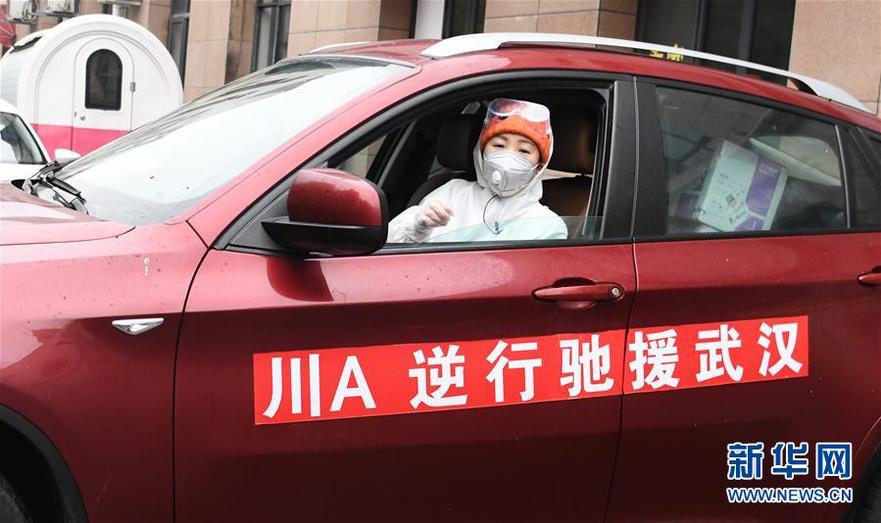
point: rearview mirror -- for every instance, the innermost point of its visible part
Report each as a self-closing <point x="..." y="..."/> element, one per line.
<point x="331" y="212"/>
<point x="65" y="156"/>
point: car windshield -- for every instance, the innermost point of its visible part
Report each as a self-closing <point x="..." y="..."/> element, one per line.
<point x="163" y="168"/>
<point x="17" y="145"/>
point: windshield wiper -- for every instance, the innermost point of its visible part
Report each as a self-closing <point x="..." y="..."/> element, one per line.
<point x="46" y="177"/>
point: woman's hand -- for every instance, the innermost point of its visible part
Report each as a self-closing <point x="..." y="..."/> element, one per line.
<point x="434" y="213"/>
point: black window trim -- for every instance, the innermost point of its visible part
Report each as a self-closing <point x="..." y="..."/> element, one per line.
<point x="860" y="138"/>
<point x="416" y="105"/>
<point x="843" y="159"/>
<point x="647" y="205"/>
<point x="864" y="138"/>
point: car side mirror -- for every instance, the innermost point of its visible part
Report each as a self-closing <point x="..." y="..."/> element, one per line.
<point x="65" y="156"/>
<point x="331" y="212"/>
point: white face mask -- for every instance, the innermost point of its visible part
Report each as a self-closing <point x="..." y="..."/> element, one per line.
<point x="507" y="172"/>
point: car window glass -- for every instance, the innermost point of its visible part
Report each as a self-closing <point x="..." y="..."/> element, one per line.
<point x="580" y="227"/>
<point x="734" y="166"/>
<point x="876" y="144"/>
<point x="16" y="143"/>
<point x="359" y="163"/>
<point x="430" y="164"/>
<point x="867" y="185"/>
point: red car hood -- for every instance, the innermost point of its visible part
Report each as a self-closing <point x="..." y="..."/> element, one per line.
<point x="28" y="219"/>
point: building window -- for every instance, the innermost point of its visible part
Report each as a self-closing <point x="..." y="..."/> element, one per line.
<point x="271" y="44"/>
<point x="178" y="26"/>
<point x="463" y="17"/>
<point x="759" y="32"/>
<point x="104" y="81"/>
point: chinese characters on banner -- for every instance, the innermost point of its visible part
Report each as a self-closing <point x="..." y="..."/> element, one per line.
<point x="703" y="355"/>
<point x="306" y="385"/>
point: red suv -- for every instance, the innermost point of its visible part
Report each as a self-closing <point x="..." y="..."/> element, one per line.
<point x="202" y="320"/>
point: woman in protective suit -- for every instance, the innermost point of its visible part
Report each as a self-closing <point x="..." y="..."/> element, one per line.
<point x="512" y="152"/>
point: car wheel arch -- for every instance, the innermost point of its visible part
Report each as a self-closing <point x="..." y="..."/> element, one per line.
<point x="863" y="475"/>
<point x="32" y="447"/>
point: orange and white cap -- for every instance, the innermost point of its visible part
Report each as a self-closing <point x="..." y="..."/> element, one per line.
<point x="527" y="119"/>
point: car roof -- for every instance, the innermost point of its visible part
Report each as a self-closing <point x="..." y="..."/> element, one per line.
<point x="508" y="45"/>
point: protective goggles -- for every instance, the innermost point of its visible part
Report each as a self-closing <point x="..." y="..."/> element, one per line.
<point x="504" y="107"/>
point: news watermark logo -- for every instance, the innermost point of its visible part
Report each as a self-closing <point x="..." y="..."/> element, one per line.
<point x="789" y="460"/>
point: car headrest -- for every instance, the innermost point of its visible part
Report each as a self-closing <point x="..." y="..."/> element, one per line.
<point x="455" y="142"/>
<point x="574" y="139"/>
<point x="567" y="196"/>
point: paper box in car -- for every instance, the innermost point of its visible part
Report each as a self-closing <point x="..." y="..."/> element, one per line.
<point x="741" y="191"/>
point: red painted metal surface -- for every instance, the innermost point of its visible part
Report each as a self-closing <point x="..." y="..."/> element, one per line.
<point x="545" y="461"/>
<point x="103" y="398"/>
<point x="28" y="219"/>
<point x="313" y="188"/>
<point x="636" y="64"/>
<point x="672" y="457"/>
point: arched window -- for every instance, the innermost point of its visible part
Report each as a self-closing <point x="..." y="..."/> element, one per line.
<point x="104" y="81"/>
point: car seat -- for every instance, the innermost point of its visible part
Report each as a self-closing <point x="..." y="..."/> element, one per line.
<point x="574" y="144"/>
<point x="455" y="141"/>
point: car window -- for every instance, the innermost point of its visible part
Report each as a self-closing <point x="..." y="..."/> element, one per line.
<point x="876" y="144"/>
<point x="16" y="143"/>
<point x="735" y="166"/>
<point x="866" y="184"/>
<point x="582" y="227"/>
<point x="430" y="144"/>
<point x="434" y="159"/>
<point x="360" y="163"/>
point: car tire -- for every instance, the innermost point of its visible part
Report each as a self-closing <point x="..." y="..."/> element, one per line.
<point x="11" y="507"/>
<point x="869" y="510"/>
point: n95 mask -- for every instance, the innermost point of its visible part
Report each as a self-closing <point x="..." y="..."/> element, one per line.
<point x="507" y="173"/>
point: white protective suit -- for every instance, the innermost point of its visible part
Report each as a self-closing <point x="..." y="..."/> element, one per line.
<point x="477" y="211"/>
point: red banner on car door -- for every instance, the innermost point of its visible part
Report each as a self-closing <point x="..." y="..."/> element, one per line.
<point x="309" y="385"/>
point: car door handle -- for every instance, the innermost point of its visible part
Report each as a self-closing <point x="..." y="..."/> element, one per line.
<point x="871" y="278"/>
<point x="580" y="296"/>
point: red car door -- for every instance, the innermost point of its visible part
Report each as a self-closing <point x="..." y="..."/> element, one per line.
<point x="763" y="333"/>
<point x="347" y="331"/>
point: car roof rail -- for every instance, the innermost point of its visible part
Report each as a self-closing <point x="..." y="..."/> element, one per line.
<point x="325" y="48"/>
<point x="488" y="41"/>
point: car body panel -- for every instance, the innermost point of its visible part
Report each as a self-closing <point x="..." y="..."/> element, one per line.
<point x="687" y="430"/>
<point x="28" y="219"/>
<point x="104" y="398"/>
<point x="640" y="65"/>
<point x="520" y="462"/>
